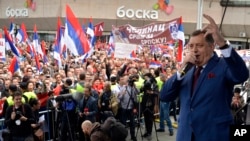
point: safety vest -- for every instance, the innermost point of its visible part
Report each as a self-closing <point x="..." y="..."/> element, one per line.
<point x="79" y="88"/>
<point x="113" y="87"/>
<point x="159" y="82"/>
<point x="139" y="83"/>
<point x="10" y="100"/>
<point x="29" y="95"/>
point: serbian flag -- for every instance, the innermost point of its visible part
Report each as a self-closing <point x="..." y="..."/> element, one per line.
<point x="90" y="29"/>
<point x="75" y="39"/>
<point x="22" y="34"/>
<point x="98" y="29"/>
<point x="91" y="33"/>
<point x="154" y="64"/>
<point x="111" y="48"/>
<point x="30" y="49"/>
<point x="57" y="48"/>
<point x="9" y="44"/>
<point x="12" y="28"/>
<point x="181" y="41"/>
<point x="13" y="65"/>
<point x="37" y="50"/>
<point x="36" y="44"/>
<point x="12" y="31"/>
<point x="38" y="67"/>
<point x="43" y="45"/>
<point x="133" y="54"/>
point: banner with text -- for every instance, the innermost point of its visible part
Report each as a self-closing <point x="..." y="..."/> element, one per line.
<point x="151" y="34"/>
<point x="2" y="48"/>
<point x="123" y="50"/>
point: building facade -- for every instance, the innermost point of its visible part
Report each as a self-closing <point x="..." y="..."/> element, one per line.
<point x="44" y="13"/>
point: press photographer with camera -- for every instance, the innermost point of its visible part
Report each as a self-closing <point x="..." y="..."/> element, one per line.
<point x="107" y="102"/>
<point x="19" y="118"/>
<point x="150" y="92"/>
<point x="128" y="101"/>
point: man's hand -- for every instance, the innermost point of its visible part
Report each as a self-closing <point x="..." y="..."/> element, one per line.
<point x="80" y="114"/>
<point x="23" y="118"/>
<point x="213" y="29"/>
<point x="13" y="115"/>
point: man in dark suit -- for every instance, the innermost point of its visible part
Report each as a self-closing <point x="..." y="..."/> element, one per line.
<point x="87" y="109"/>
<point x="205" y="106"/>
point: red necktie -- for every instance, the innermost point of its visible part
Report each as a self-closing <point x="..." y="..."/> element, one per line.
<point x="196" y="76"/>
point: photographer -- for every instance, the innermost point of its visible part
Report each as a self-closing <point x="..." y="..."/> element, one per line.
<point x="128" y="101"/>
<point x="107" y="102"/>
<point x="19" y="118"/>
<point x="150" y="92"/>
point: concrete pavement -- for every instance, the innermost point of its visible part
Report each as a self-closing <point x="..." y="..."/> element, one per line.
<point x="162" y="136"/>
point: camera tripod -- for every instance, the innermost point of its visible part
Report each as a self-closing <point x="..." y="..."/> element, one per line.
<point x="148" y="113"/>
<point x="135" y="116"/>
<point x="67" y="125"/>
<point x="138" y="117"/>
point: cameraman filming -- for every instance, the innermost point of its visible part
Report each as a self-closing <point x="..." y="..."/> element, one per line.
<point x="150" y="92"/>
<point x="68" y="116"/>
<point x="128" y="101"/>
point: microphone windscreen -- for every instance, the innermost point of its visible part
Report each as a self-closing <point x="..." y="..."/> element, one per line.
<point x="77" y="96"/>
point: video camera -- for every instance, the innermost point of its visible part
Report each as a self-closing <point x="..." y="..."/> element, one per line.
<point x="76" y="96"/>
<point x="150" y="85"/>
<point x="132" y="79"/>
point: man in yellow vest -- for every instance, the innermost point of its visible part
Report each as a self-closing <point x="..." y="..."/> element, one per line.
<point x="79" y="87"/>
<point x="26" y="94"/>
<point x="9" y="101"/>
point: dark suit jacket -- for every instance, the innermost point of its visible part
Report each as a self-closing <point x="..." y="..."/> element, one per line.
<point x="206" y="113"/>
<point x="92" y="107"/>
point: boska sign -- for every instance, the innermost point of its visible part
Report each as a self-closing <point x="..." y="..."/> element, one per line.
<point x="139" y="13"/>
<point x="22" y="12"/>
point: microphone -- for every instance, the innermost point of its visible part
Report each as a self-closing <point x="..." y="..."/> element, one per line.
<point x="186" y="68"/>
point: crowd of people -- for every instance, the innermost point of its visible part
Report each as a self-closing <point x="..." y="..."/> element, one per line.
<point x="108" y="87"/>
<point x="101" y="86"/>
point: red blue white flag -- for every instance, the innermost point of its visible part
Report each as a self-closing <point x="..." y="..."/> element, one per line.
<point x="181" y="41"/>
<point x="9" y="44"/>
<point x="14" y="65"/>
<point x="75" y="39"/>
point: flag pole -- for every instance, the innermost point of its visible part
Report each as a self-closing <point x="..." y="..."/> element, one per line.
<point x="199" y="14"/>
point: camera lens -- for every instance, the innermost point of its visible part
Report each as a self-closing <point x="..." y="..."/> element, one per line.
<point x="18" y="112"/>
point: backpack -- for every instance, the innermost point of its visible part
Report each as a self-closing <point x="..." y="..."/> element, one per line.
<point x="114" y="129"/>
